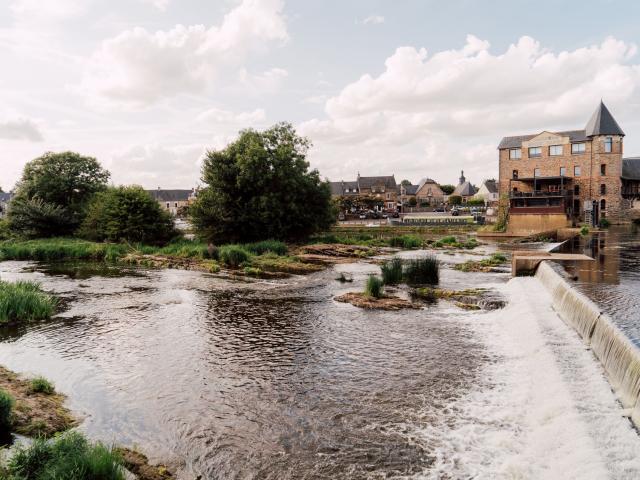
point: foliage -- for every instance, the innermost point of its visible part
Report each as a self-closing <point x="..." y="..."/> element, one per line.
<point x="374" y="287"/>
<point x="405" y="183"/>
<point x="52" y="195"/>
<point x="447" y="189"/>
<point x="5" y="233"/>
<point x="233" y="255"/>
<point x="6" y="407"/>
<point x="413" y="202"/>
<point x="475" y="202"/>
<point x="452" y="242"/>
<point x="260" y="187"/>
<point x="265" y="246"/>
<point x="584" y="231"/>
<point x="455" y="199"/>
<point x="503" y="214"/>
<point x="604" y="223"/>
<point x="421" y="271"/>
<point x="484" y="265"/>
<point x="68" y="457"/>
<point x="406" y="241"/>
<point x="42" y="385"/>
<point x="61" y="249"/>
<point x="127" y="213"/>
<point x="392" y="271"/>
<point x="24" y="301"/>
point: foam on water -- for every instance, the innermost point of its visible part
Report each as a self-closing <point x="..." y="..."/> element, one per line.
<point x="544" y="409"/>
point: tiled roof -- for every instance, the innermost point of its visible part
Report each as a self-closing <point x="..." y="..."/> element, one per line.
<point x="411" y="189"/>
<point x="368" y="182"/>
<point x="5" y="197"/>
<point x="603" y="123"/>
<point x="631" y="168"/>
<point x="464" y="190"/>
<point x="491" y="186"/>
<point x="170" y="195"/>
<point x="516" y="142"/>
<point x="339" y="188"/>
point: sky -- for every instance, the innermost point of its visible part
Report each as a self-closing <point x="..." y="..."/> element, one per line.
<point x="415" y="88"/>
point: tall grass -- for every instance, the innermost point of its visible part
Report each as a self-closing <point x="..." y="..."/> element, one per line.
<point x="70" y="456"/>
<point x="24" y="301"/>
<point x="374" y="287"/>
<point x="392" y="271"/>
<point x="406" y="241"/>
<point x="233" y="255"/>
<point x="422" y="271"/>
<point x="42" y="385"/>
<point x="267" y="246"/>
<point x="52" y="249"/>
<point x="6" y="407"/>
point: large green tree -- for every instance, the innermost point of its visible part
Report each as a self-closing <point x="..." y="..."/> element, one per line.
<point x="261" y="187"/>
<point x="53" y="193"/>
<point x="447" y="189"/>
<point x="127" y="213"/>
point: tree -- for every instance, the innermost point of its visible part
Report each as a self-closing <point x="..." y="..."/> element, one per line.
<point x="127" y="213"/>
<point x="447" y="189"/>
<point x="53" y="193"/>
<point x="455" y="199"/>
<point x="260" y="187"/>
<point x="413" y="202"/>
<point x="405" y="183"/>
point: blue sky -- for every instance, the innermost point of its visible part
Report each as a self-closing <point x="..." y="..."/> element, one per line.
<point x="415" y="88"/>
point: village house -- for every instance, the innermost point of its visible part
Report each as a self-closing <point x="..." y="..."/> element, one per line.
<point x="428" y="192"/>
<point x="383" y="188"/>
<point x="173" y="201"/>
<point x="488" y="192"/>
<point x="465" y="189"/>
<point x="5" y="198"/>
<point x="575" y="175"/>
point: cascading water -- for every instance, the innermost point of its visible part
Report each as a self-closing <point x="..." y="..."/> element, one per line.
<point x="618" y="355"/>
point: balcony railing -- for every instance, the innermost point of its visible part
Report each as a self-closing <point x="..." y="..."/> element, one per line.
<point x="542" y="194"/>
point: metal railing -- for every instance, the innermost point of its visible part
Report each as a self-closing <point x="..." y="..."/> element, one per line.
<point x="542" y="193"/>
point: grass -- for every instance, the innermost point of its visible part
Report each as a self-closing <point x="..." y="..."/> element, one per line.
<point x="422" y="271"/>
<point x="392" y="271"/>
<point x="234" y="255"/>
<point x="406" y="241"/>
<point x="24" y="301"/>
<point x="51" y="249"/>
<point x="452" y="242"/>
<point x="484" y="265"/>
<point x="42" y="385"/>
<point x="6" y="407"/>
<point x="374" y="287"/>
<point x="67" y="457"/>
<point x="267" y="246"/>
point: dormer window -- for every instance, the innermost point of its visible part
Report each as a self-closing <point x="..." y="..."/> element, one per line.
<point x="535" y="151"/>
<point x="577" y="148"/>
<point x="515" y="153"/>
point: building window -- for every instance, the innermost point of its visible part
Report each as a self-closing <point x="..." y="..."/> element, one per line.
<point x="175" y="204"/>
<point x="388" y="196"/>
<point x="536" y="172"/>
<point x="578" y="147"/>
<point x="603" y="205"/>
<point x="576" y="189"/>
<point x="608" y="145"/>
<point x="515" y="153"/>
<point x="535" y="151"/>
<point x="603" y="189"/>
<point x="515" y="174"/>
<point x="577" y="171"/>
<point x="563" y="171"/>
<point x="603" y="169"/>
<point x="167" y="205"/>
<point x="555" y="150"/>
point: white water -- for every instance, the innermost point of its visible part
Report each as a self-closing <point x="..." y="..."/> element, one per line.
<point x="545" y="409"/>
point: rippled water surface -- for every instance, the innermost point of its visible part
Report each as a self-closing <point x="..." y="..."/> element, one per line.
<point x="249" y="380"/>
<point x="613" y="280"/>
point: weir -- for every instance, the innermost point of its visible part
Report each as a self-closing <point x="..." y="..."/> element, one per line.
<point x="618" y="355"/>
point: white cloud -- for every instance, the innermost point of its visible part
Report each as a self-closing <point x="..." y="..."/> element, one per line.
<point x="20" y="129"/>
<point x="246" y="119"/>
<point x="373" y="20"/>
<point x="159" y="4"/>
<point x="47" y="11"/>
<point x="440" y="107"/>
<point x="268" y="81"/>
<point x="138" y="67"/>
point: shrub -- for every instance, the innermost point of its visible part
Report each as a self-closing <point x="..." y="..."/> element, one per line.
<point x="584" y="231"/>
<point x="24" y="301"/>
<point x="41" y="385"/>
<point x="604" y="223"/>
<point x="406" y="241"/>
<point x="449" y="240"/>
<point x="4" y="230"/>
<point x="70" y="456"/>
<point x="392" y="271"/>
<point x="455" y="200"/>
<point x="421" y="271"/>
<point x="374" y="287"/>
<point x="233" y="255"/>
<point x="6" y="407"/>
<point x="273" y="246"/>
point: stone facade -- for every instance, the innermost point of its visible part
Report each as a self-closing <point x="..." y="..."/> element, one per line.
<point x="383" y="189"/>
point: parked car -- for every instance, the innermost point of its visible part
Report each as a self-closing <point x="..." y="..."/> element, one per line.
<point x="362" y="216"/>
<point x="395" y="215"/>
<point x="455" y="212"/>
<point x="440" y="209"/>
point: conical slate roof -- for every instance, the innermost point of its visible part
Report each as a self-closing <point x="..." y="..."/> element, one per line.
<point x="602" y="123"/>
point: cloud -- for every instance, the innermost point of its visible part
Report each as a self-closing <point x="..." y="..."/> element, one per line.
<point x="138" y="67"/>
<point x="21" y="129"/>
<point x="266" y="82"/>
<point x="46" y="11"/>
<point x="373" y="20"/>
<point x="246" y="119"/>
<point x="159" y="4"/>
<point x="439" y="107"/>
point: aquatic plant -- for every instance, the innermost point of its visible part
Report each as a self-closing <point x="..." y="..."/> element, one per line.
<point x="422" y="271"/>
<point x="69" y="456"/>
<point x="24" y="301"/>
<point x="374" y="287"/>
<point x="41" y="385"/>
<point x="233" y="255"/>
<point x="483" y="265"/>
<point x="265" y="246"/>
<point x="392" y="271"/>
<point x="52" y="249"/>
<point x="406" y="241"/>
<point x="6" y="407"/>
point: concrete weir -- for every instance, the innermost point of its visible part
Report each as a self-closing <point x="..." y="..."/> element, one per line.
<point x="618" y="355"/>
<point x="527" y="260"/>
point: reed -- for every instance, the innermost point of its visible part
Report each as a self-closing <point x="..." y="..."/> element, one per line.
<point x="24" y="301"/>
<point x="406" y="241"/>
<point x="52" y="249"/>
<point x="392" y="271"/>
<point x="374" y="287"/>
<point x="6" y="407"/>
<point x="234" y="255"/>
<point x="41" y="385"/>
<point x="422" y="271"/>
<point x="267" y="246"/>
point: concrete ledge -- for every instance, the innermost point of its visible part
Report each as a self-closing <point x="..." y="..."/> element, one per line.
<point x="528" y="260"/>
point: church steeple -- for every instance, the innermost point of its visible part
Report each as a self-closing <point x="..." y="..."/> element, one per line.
<point x="602" y="123"/>
<point x="462" y="179"/>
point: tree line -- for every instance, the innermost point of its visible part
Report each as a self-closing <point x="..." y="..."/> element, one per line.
<point x="260" y="186"/>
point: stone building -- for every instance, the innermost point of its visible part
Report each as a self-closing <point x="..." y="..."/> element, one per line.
<point x="574" y="172"/>
<point x="173" y="201"/>
<point x="488" y="191"/>
<point x="383" y="188"/>
<point x="464" y="189"/>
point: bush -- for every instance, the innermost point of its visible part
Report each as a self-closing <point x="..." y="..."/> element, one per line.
<point x="67" y="457"/>
<point x="24" y="301"/>
<point x="265" y="246"/>
<point x="584" y="231"/>
<point x="6" y="407"/>
<point x="374" y="287"/>
<point x="129" y="214"/>
<point x="421" y="271"/>
<point x="4" y="230"/>
<point x="449" y="240"/>
<point x="604" y="223"/>
<point x="233" y="255"/>
<point x="41" y="385"/>
<point x="455" y="200"/>
<point x="406" y="241"/>
<point x="392" y="272"/>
